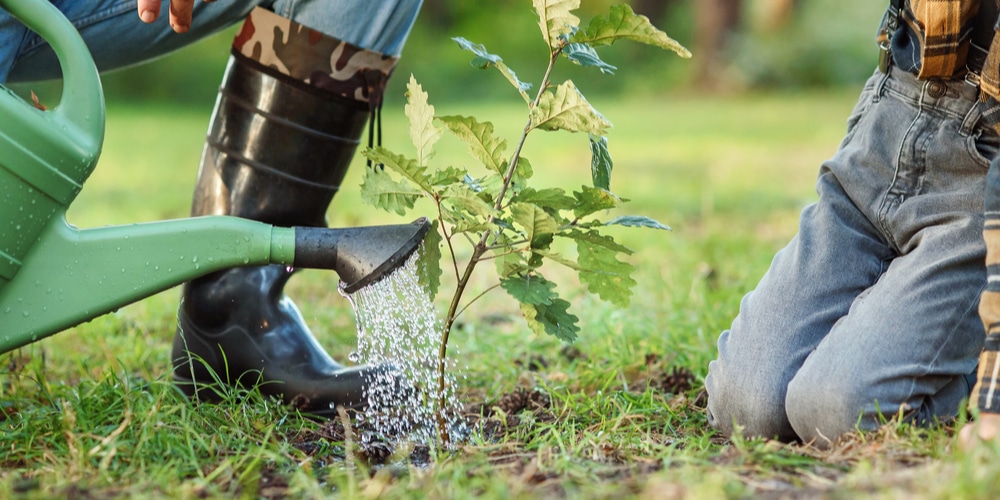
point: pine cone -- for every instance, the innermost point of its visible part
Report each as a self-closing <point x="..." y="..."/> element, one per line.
<point x="513" y="402"/>
<point x="680" y="379"/>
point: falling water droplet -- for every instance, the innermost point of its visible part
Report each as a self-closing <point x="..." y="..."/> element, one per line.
<point x="398" y="328"/>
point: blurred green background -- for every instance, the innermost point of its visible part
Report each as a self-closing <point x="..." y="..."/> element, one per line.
<point x="750" y="45"/>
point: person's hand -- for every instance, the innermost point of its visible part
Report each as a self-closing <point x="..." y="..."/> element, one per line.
<point x="180" y="12"/>
<point x="985" y="428"/>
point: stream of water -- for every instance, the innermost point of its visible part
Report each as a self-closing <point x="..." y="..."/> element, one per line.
<point x="398" y="327"/>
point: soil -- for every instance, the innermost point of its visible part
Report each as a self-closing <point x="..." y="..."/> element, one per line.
<point x="499" y="420"/>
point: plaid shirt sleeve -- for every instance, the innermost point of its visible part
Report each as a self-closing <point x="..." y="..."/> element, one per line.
<point x="986" y="394"/>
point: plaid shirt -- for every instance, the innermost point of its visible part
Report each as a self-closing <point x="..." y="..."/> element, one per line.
<point x="944" y="28"/>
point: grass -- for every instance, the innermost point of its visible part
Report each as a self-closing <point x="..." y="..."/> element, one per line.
<point x="90" y="412"/>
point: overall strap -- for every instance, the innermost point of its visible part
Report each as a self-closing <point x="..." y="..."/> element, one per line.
<point x="889" y="27"/>
<point x="982" y="38"/>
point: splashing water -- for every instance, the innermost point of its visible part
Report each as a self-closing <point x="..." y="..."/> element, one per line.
<point x="398" y="328"/>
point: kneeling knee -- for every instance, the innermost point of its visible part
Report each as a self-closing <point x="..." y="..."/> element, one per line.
<point x="753" y="405"/>
<point x="822" y="410"/>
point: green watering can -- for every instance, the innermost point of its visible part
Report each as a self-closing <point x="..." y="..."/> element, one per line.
<point x="54" y="275"/>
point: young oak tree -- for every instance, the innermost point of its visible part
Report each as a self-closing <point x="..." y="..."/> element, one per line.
<point x="496" y="209"/>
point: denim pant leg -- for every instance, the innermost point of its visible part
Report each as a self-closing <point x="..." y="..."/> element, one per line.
<point x="872" y="306"/>
<point x="117" y="38"/>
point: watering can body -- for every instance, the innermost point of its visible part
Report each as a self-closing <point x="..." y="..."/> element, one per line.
<point x="54" y="275"/>
<point x="46" y="156"/>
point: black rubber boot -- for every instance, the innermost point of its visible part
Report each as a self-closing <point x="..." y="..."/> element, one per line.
<point x="277" y="150"/>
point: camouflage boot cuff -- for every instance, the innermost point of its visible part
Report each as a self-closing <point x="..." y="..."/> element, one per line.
<point x="314" y="58"/>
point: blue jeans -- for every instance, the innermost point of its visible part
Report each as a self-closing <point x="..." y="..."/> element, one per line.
<point x="117" y="37"/>
<point x="871" y="309"/>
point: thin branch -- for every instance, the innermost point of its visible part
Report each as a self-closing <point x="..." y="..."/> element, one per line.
<point x="447" y="235"/>
<point x="477" y="297"/>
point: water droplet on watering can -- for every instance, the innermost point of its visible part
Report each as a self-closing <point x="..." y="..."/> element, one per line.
<point x="354" y="356"/>
<point x="26" y="313"/>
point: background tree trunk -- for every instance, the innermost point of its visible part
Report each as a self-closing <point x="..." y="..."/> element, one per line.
<point x="715" y="21"/>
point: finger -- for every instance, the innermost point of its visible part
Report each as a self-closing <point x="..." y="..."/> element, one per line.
<point x="180" y="15"/>
<point x="148" y="10"/>
<point x="987" y="431"/>
<point x="965" y="437"/>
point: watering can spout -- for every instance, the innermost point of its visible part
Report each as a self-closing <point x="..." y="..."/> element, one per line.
<point x="360" y="255"/>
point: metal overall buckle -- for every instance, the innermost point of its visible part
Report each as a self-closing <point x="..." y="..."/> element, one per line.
<point x="884" y="57"/>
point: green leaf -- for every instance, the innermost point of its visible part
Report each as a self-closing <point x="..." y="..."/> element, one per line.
<point x="636" y="221"/>
<point x="555" y="18"/>
<point x="601" y="163"/>
<point x="604" y="274"/>
<point x="524" y="170"/>
<point x="558" y="258"/>
<point x="624" y="24"/>
<point x="446" y="176"/>
<point x="479" y="139"/>
<point x="553" y="319"/>
<point x="464" y="224"/>
<point x="406" y="167"/>
<point x="567" y="109"/>
<point x="554" y="198"/>
<point x="429" y="261"/>
<point x="484" y="60"/>
<point x="538" y="225"/>
<point x="593" y="199"/>
<point x="381" y="191"/>
<point x="423" y="132"/>
<point x="585" y="55"/>
<point x="530" y="289"/>
<point x="595" y="238"/>
<point x="463" y="199"/>
<point x="509" y="263"/>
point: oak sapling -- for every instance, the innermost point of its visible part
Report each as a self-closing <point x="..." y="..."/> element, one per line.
<point x="497" y="210"/>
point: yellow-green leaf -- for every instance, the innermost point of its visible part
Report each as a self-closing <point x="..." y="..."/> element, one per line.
<point x="381" y="191"/>
<point x="538" y="225"/>
<point x="591" y="199"/>
<point x="423" y="132"/>
<point x="463" y="199"/>
<point x="604" y="274"/>
<point x="567" y="109"/>
<point x="406" y="167"/>
<point x="479" y="140"/>
<point x="624" y="24"/>
<point x="556" y="19"/>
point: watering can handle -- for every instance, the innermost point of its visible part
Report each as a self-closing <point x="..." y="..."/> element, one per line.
<point x="82" y="102"/>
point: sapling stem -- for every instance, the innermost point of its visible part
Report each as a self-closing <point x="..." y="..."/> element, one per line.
<point x="478" y="250"/>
